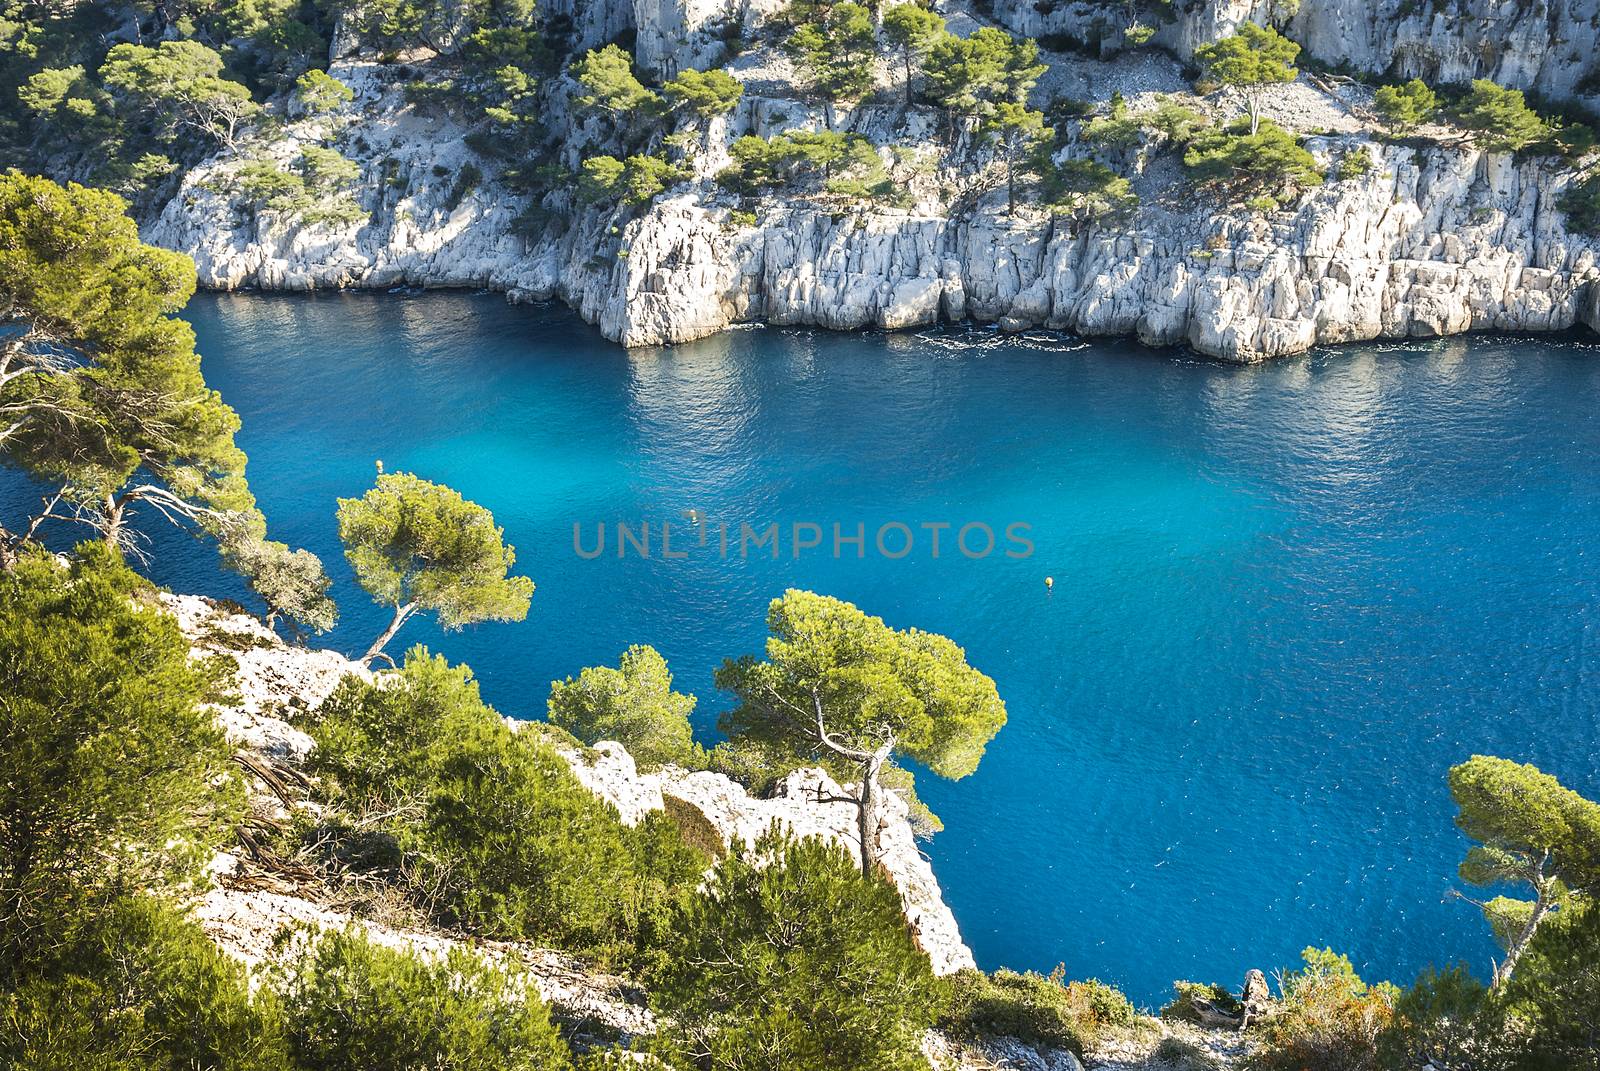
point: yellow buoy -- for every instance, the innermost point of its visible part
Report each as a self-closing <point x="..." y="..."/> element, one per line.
<point x="1049" y="582"/>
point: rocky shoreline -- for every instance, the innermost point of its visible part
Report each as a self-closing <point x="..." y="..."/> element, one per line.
<point x="1435" y="238"/>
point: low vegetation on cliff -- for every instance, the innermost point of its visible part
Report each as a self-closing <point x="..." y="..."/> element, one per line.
<point x="420" y="803"/>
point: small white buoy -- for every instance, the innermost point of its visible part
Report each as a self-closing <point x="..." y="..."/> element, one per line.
<point x="380" y="466"/>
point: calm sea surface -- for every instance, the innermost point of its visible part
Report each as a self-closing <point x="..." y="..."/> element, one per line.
<point x="1286" y="598"/>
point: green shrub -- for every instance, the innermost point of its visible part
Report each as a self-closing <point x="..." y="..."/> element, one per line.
<point x="1176" y="123"/>
<point x="1033" y="1008"/>
<point x="1448" y="1019"/>
<point x="1234" y="158"/>
<point x="138" y="987"/>
<point x="1499" y="118"/>
<point x="1329" y="1019"/>
<point x="379" y="748"/>
<point x="633" y="705"/>
<point x="352" y="1005"/>
<point x="792" y="961"/>
<point x="1191" y="996"/>
<point x="492" y="823"/>
<point x="1405" y="107"/>
<point x="1354" y="164"/>
<point x="845" y="165"/>
<point x="1555" y="991"/>
<point x="704" y="93"/>
<point x="319" y="92"/>
<point x="636" y="181"/>
<point x="1581" y="204"/>
<point x="115" y="778"/>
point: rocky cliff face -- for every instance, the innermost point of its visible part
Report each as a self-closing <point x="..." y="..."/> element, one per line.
<point x="1431" y="240"/>
<point x="1542" y="45"/>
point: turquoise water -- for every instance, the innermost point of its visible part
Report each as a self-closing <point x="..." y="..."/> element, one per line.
<point x="1286" y="598"/>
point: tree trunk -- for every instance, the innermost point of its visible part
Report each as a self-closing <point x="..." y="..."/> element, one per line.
<point x="113" y="520"/>
<point x="867" y="807"/>
<point x="1519" y="945"/>
<point x="401" y="613"/>
<point x="1255" y="112"/>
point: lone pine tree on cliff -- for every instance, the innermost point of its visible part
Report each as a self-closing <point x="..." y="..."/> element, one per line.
<point x="1531" y="830"/>
<point x="417" y="545"/>
<point x="845" y="687"/>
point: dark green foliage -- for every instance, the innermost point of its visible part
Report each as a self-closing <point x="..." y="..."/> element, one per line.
<point x="74" y="276"/>
<point x="704" y="93"/>
<point x="1035" y="1009"/>
<point x="516" y="847"/>
<point x="833" y="45"/>
<point x="318" y="92"/>
<point x="1330" y="1019"/>
<point x="792" y="961"/>
<point x="1581" y="204"/>
<point x="971" y="75"/>
<point x="826" y="162"/>
<point x="1117" y="131"/>
<point x="136" y="986"/>
<point x="1243" y="162"/>
<point x="1176" y="123"/>
<point x="634" y="182"/>
<point x="633" y="705"/>
<point x="1086" y="191"/>
<point x="1530" y="830"/>
<point x="1404" y="107"/>
<point x="1545" y="1017"/>
<point x="1499" y="118"/>
<point x="497" y="831"/>
<point x="1555" y="992"/>
<point x="608" y="89"/>
<point x="352" y="1005"/>
<point x="114" y="777"/>
<point x="379" y="749"/>
<point x="1448" y="1018"/>
<point x="434" y="24"/>
<point x="319" y="188"/>
<point x="1355" y="163"/>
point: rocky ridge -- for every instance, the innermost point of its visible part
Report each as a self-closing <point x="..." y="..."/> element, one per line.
<point x="1434" y="239"/>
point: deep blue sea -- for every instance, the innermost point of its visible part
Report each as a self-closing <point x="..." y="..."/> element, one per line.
<point x="1286" y="598"/>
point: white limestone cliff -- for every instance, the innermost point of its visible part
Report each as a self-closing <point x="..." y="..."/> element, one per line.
<point x="1433" y="240"/>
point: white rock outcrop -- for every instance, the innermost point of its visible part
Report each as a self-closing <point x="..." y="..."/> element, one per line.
<point x="798" y="804"/>
<point x="274" y="679"/>
<point x="1431" y="242"/>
